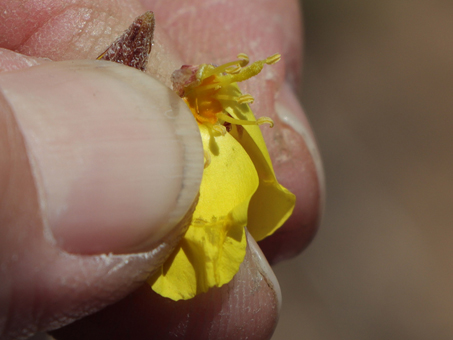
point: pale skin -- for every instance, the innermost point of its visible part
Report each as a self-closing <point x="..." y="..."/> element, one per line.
<point x="39" y="272"/>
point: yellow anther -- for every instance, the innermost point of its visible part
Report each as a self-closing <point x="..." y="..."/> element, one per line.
<point x="220" y="129"/>
<point x="229" y="119"/>
<point x="253" y="69"/>
<point x="244" y="57"/>
<point x="245" y="98"/>
<point x="265" y="120"/>
<point x="273" y="59"/>
<point x="234" y="69"/>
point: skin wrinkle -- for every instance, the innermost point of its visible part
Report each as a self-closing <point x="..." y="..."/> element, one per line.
<point x="36" y="27"/>
<point x="77" y="28"/>
<point x="80" y="26"/>
<point x="251" y="276"/>
<point x="165" y="58"/>
<point x="230" y="312"/>
<point x="104" y="266"/>
<point x="8" y="15"/>
<point x="10" y="61"/>
<point x="181" y="12"/>
<point x="79" y="9"/>
<point x="89" y="39"/>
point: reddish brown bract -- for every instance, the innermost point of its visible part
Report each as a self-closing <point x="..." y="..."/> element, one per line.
<point x="133" y="47"/>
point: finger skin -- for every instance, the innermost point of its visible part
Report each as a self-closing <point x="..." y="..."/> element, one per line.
<point x="246" y="308"/>
<point x="83" y="29"/>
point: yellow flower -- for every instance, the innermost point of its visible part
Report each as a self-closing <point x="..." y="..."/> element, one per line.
<point x="238" y="189"/>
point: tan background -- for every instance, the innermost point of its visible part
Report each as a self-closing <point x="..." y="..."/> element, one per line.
<point x="378" y="88"/>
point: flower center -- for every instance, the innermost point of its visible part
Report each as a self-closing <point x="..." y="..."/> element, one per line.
<point x="211" y="91"/>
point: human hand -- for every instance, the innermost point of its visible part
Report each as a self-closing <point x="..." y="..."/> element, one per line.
<point x="52" y="164"/>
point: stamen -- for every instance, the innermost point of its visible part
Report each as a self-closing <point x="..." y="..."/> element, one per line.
<point x="234" y="70"/>
<point x="273" y="59"/>
<point x="245" y="99"/>
<point x="253" y="69"/>
<point x="208" y="96"/>
<point x="220" y="129"/>
<point x="265" y="120"/>
<point x="243" y="61"/>
<point x="222" y="68"/>
<point x="244" y="57"/>
<point x="261" y="120"/>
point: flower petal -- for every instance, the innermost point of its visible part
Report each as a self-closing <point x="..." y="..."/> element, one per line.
<point x="214" y="246"/>
<point x="272" y="203"/>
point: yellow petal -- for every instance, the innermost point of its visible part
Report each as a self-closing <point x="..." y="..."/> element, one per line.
<point x="272" y="203"/>
<point x="214" y="246"/>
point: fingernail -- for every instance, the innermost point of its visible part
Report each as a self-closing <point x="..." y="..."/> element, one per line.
<point x="265" y="269"/>
<point x="116" y="155"/>
<point x="290" y="112"/>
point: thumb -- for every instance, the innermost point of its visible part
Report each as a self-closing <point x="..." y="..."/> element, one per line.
<point x="100" y="165"/>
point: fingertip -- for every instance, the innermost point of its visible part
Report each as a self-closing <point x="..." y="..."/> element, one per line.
<point x="116" y="158"/>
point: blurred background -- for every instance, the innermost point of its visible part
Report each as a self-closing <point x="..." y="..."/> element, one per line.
<point x="378" y="89"/>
